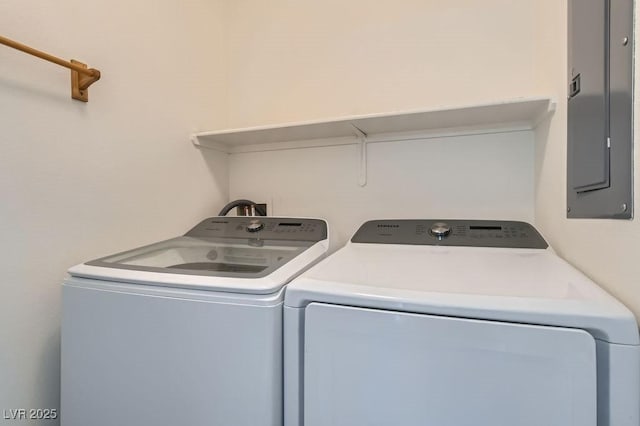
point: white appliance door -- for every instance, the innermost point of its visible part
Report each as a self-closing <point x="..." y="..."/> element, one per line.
<point x="157" y="359"/>
<point x="365" y="367"/>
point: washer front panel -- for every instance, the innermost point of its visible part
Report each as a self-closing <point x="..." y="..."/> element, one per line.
<point x="169" y="357"/>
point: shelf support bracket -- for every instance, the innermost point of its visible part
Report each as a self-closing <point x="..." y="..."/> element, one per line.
<point x="362" y="156"/>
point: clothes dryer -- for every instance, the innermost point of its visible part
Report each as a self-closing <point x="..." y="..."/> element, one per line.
<point x="456" y="323"/>
<point x="186" y="331"/>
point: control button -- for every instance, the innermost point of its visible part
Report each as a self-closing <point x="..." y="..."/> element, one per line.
<point x="255" y="226"/>
<point x="440" y="230"/>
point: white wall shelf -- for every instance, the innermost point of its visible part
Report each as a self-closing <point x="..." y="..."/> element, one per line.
<point x="509" y="115"/>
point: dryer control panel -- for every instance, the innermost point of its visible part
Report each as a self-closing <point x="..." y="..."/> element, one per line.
<point x="462" y="233"/>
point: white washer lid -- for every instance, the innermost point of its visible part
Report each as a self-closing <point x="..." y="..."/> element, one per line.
<point x="252" y="255"/>
<point x="262" y="285"/>
<point x="532" y="286"/>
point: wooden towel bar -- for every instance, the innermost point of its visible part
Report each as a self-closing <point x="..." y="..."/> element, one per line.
<point x="81" y="76"/>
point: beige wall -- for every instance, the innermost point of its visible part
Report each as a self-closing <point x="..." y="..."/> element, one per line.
<point x="82" y="180"/>
<point x="297" y="60"/>
<point x="606" y="250"/>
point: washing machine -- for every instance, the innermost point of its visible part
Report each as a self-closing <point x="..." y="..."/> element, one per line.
<point x="186" y="331"/>
<point x="456" y="323"/>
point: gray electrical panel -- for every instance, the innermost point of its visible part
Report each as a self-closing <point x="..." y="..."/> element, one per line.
<point x="600" y="119"/>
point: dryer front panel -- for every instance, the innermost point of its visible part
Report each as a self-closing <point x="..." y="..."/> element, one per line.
<point x="365" y="367"/>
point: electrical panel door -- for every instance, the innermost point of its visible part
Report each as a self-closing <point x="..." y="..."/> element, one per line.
<point x="599" y="150"/>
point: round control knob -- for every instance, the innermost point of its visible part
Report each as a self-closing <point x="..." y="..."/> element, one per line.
<point x="255" y="226"/>
<point x="440" y="230"/>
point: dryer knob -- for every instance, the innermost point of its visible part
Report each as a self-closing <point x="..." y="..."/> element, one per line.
<point x="255" y="226"/>
<point x="440" y="230"/>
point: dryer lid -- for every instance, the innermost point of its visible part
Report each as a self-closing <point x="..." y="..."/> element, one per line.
<point x="531" y="286"/>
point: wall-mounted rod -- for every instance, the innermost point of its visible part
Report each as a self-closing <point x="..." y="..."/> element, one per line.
<point x="79" y="84"/>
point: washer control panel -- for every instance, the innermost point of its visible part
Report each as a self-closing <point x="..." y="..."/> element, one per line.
<point x="261" y="227"/>
<point x="463" y="233"/>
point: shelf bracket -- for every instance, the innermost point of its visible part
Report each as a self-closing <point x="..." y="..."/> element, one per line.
<point x="362" y="156"/>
